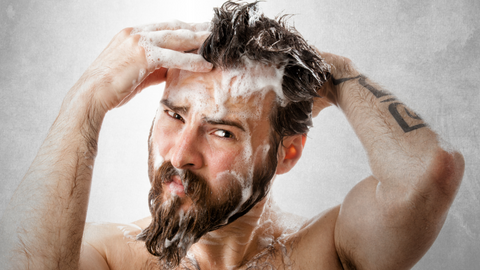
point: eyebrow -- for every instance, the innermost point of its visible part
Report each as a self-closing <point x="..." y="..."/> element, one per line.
<point x="205" y="119"/>
<point x="212" y="121"/>
<point x="169" y="104"/>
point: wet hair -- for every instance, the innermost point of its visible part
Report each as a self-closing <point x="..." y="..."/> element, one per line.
<point x="239" y="30"/>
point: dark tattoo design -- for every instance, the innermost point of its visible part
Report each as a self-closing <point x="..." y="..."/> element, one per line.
<point x="392" y="108"/>
<point x="404" y="125"/>
<point x="388" y="100"/>
<point x="339" y="81"/>
<point x="376" y="92"/>
<point x="412" y="114"/>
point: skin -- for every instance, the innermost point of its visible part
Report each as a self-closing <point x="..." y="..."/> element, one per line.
<point x="387" y="221"/>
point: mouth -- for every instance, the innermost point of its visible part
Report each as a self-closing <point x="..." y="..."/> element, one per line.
<point x="175" y="186"/>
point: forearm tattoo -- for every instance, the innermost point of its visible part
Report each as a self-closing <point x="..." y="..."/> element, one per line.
<point x="394" y="106"/>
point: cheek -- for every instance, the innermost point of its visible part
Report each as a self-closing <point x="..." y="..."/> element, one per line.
<point x="231" y="166"/>
<point x="223" y="161"/>
<point x="161" y="141"/>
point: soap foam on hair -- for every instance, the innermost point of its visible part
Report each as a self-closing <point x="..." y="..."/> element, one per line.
<point x="251" y="78"/>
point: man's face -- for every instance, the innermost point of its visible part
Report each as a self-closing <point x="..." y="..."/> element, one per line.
<point x="210" y="147"/>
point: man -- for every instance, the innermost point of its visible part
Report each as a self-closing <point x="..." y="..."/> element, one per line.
<point x="236" y="107"/>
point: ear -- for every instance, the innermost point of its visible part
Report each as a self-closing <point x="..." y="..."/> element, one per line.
<point x="290" y="152"/>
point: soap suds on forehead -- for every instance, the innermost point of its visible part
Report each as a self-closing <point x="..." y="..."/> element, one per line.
<point x="242" y="82"/>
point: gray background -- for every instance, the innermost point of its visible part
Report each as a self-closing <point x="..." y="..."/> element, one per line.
<point x="426" y="52"/>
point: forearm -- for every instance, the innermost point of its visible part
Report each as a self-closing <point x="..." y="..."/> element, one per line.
<point x="403" y="151"/>
<point x="43" y="224"/>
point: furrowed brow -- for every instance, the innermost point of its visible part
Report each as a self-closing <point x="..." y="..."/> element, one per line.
<point x="212" y="121"/>
<point x="172" y="107"/>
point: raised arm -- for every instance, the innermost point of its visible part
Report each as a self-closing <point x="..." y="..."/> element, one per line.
<point x="390" y="219"/>
<point x="43" y="225"/>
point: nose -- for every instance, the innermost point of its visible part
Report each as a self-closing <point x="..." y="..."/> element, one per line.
<point x="186" y="152"/>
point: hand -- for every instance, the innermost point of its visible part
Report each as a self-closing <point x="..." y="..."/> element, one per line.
<point x="340" y="67"/>
<point x="139" y="57"/>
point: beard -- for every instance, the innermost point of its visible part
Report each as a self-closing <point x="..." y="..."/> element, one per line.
<point x="173" y="231"/>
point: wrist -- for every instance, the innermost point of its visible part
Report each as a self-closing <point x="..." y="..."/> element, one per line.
<point x="344" y="75"/>
<point x="80" y="112"/>
<point x="342" y="70"/>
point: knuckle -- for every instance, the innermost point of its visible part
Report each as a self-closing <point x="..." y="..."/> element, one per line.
<point x="348" y="64"/>
<point x="134" y="38"/>
<point x="176" y="24"/>
<point x="126" y="31"/>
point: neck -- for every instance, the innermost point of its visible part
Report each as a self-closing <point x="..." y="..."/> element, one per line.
<point x="233" y="245"/>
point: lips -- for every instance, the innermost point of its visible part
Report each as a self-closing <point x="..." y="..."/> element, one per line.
<point x="176" y="186"/>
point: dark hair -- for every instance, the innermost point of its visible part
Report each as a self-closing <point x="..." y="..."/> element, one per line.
<point x="239" y="30"/>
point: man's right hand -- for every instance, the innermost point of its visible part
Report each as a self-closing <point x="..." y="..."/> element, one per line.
<point x="44" y="221"/>
<point x="139" y="57"/>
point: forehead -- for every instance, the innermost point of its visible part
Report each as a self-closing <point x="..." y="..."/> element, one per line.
<point x="246" y="91"/>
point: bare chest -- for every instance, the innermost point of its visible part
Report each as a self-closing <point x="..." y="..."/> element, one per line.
<point x="286" y="255"/>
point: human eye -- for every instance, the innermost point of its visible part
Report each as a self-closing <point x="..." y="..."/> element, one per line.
<point x="174" y="115"/>
<point x="224" y="134"/>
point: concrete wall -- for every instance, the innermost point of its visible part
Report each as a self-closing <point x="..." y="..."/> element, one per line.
<point x="426" y="52"/>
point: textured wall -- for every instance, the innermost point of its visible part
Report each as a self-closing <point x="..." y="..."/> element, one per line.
<point x="426" y="52"/>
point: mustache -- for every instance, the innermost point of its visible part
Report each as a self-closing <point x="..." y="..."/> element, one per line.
<point x="195" y="186"/>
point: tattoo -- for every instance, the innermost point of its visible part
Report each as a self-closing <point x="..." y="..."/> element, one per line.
<point x="403" y="124"/>
<point x="388" y="100"/>
<point x="339" y="81"/>
<point x="392" y="107"/>
<point x="376" y="92"/>
<point x="412" y="114"/>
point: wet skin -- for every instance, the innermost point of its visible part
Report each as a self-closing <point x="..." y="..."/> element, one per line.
<point x="199" y="140"/>
<point x="182" y="136"/>
<point x="387" y="221"/>
<point x="295" y="245"/>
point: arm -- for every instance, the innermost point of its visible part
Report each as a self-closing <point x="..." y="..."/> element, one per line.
<point x="43" y="225"/>
<point x="390" y="219"/>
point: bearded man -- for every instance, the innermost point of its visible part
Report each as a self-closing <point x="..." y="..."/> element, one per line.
<point x="237" y="105"/>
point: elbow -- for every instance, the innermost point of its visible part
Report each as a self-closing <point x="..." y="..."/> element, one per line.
<point x="446" y="172"/>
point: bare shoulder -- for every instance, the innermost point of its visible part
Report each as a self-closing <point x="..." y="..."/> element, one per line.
<point x="314" y="242"/>
<point x="114" y="246"/>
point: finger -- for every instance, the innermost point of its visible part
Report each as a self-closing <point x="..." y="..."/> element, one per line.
<point x="171" y="25"/>
<point x="199" y="27"/>
<point x="178" y="40"/>
<point x="159" y="57"/>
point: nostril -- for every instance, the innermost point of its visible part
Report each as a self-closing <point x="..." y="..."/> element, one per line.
<point x="189" y="165"/>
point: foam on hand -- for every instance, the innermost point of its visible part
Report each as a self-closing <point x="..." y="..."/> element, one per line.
<point x="164" y="45"/>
